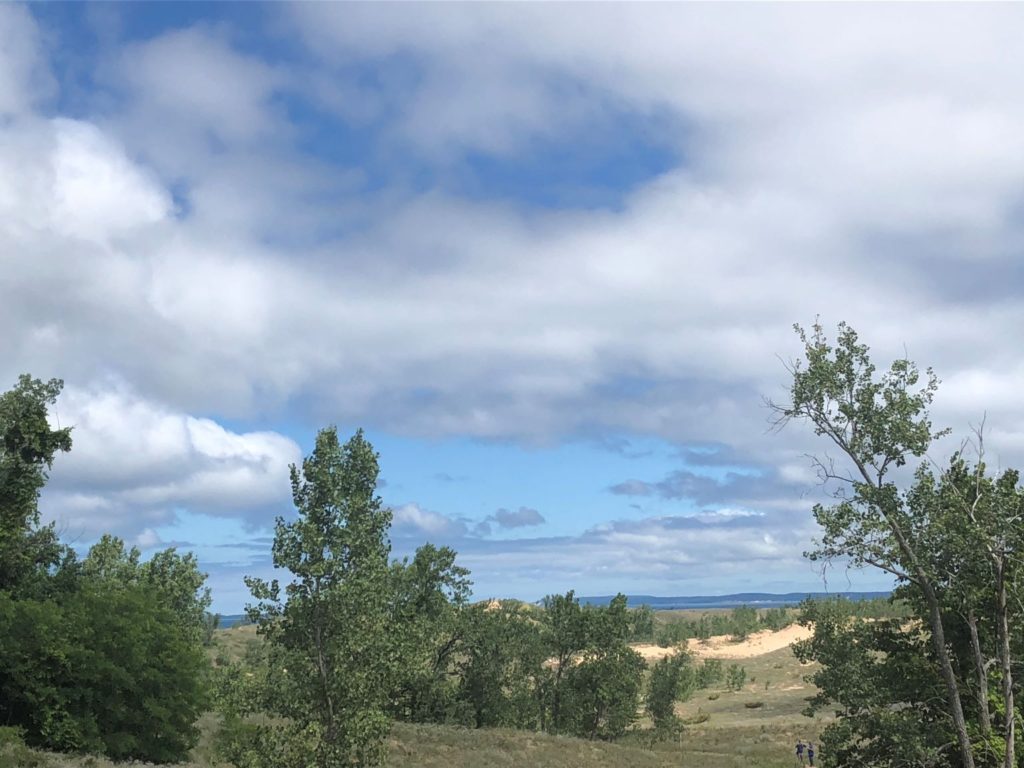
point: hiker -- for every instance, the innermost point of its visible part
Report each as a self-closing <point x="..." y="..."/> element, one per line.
<point x="810" y="754"/>
<point x="800" y="751"/>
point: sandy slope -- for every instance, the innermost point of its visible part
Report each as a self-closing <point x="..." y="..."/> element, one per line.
<point x="721" y="647"/>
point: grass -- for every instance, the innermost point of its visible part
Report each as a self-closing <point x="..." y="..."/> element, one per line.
<point x="233" y="642"/>
<point x="734" y="735"/>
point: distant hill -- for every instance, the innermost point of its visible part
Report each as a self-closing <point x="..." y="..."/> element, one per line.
<point x="756" y="599"/>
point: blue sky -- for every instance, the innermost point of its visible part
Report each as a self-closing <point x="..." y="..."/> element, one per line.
<point x="548" y="256"/>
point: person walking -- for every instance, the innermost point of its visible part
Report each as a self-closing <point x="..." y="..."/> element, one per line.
<point x="810" y="754"/>
<point x="800" y="751"/>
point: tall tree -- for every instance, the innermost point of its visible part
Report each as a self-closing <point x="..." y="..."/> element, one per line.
<point x="28" y="447"/>
<point x="328" y="638"/>
<point x="929" y="535"/>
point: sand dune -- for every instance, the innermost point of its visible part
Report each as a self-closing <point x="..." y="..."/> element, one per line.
<point x="722" y="647"/>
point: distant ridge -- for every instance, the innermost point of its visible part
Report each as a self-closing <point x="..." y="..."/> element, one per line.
<point x="756" y="599"/>
<point x="676" y="603"/>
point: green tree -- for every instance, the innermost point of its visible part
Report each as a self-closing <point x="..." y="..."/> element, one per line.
<point x="642" y="624"/>
<point x="565" y="635"/>
<point x="949" y="540"/>
<point x="93" y="657"/>
<point x="744" y="621"/>
<point x="175" y="579"/>
<point x="429" y="594"/>
<point x="500" y="667"/>
<point x="672" y="679"/>
<point x="328" y="639"/>
<point x="883" y="684"/>
<point x="594" y="687"/>
<point x="104" y="670"/>
<point x="735" y="677"/>
<point x="710" y="673"/>
<point x="28" y="447"/>
<point x="602" y="692"/>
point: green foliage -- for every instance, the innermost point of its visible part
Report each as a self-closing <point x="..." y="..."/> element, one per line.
<point x="27" y="449"/>
<point x="429" y="595"/>
<point x="331" y="654"/>
<point x="106" y="672"/>
<point x="735" y="677"/>
<point x="710" y="673"/>
<point x="99" y="656"/>
<point x="602" y="693"/>
<point x="950" y="538"/>
<point x="882" y="682"/>
<point x="740" y="622"/>
<point x="594" y="687"/>
<point x="672" y="679"/>
<point x="641" y="628"/>
<point x="744" y="621"/>
<point x="175" y="579"/>
<point x="500" y="668"/>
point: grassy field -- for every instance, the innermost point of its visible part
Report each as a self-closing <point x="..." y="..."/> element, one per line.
<point x="756" y="726"/>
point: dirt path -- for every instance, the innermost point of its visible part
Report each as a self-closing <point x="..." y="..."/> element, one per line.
<point x="722" y="647"/>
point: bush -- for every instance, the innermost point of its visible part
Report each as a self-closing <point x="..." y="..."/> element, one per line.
<point x="105" y="671"/>
<point x="697" y="719"/>
<point x="753" y="704"/>
<point x="735" y="677"/>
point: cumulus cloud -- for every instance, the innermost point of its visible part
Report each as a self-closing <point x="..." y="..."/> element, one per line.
<point x="182" y="235"/>
<point x="135" y="463"/>
<point x="413" y="521"/>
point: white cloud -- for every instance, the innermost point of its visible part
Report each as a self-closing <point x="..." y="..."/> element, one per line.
<point x="862" y="163"/>
<point x="97" y="191"/>
<point x="413" y="520"/>
<point x="134" y="463"/>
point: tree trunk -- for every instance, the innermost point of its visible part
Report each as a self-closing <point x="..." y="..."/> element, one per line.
<point x="1004" y="658"/>
<point x="325" y="683"/>
<point x="979" y="666"/>
<point x="948" y="675"/>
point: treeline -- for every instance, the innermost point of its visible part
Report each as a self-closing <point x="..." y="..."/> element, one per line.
<point x="356" y="641"/>
<point x="739" y="623"/>
<point x="744" y="620"/>
<point x="106" y="654"/>
<point x="102" y="654"/>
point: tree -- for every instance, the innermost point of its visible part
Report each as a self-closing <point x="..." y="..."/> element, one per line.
<point x="28" y="447"/>
<point x="105" y="669"/>
<point x="175" y="579"/>
<point x="930" y="535"/>
<point x="594" y="688"/>
<point x="744" y="621"/>
<point x="429" y="594"/>
<point x="501" y="666"/>
<point x="882" y="682"/>
<point x="328" y="641"/>
<point x="642" y="624"/>
<point x="735" y="677"/>
<point x="672" y="679"/>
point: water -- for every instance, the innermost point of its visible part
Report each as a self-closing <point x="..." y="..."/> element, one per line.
<point x="754" y="599"/>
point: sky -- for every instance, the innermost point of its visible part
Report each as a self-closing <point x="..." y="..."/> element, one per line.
<point x="548" y="256"/>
